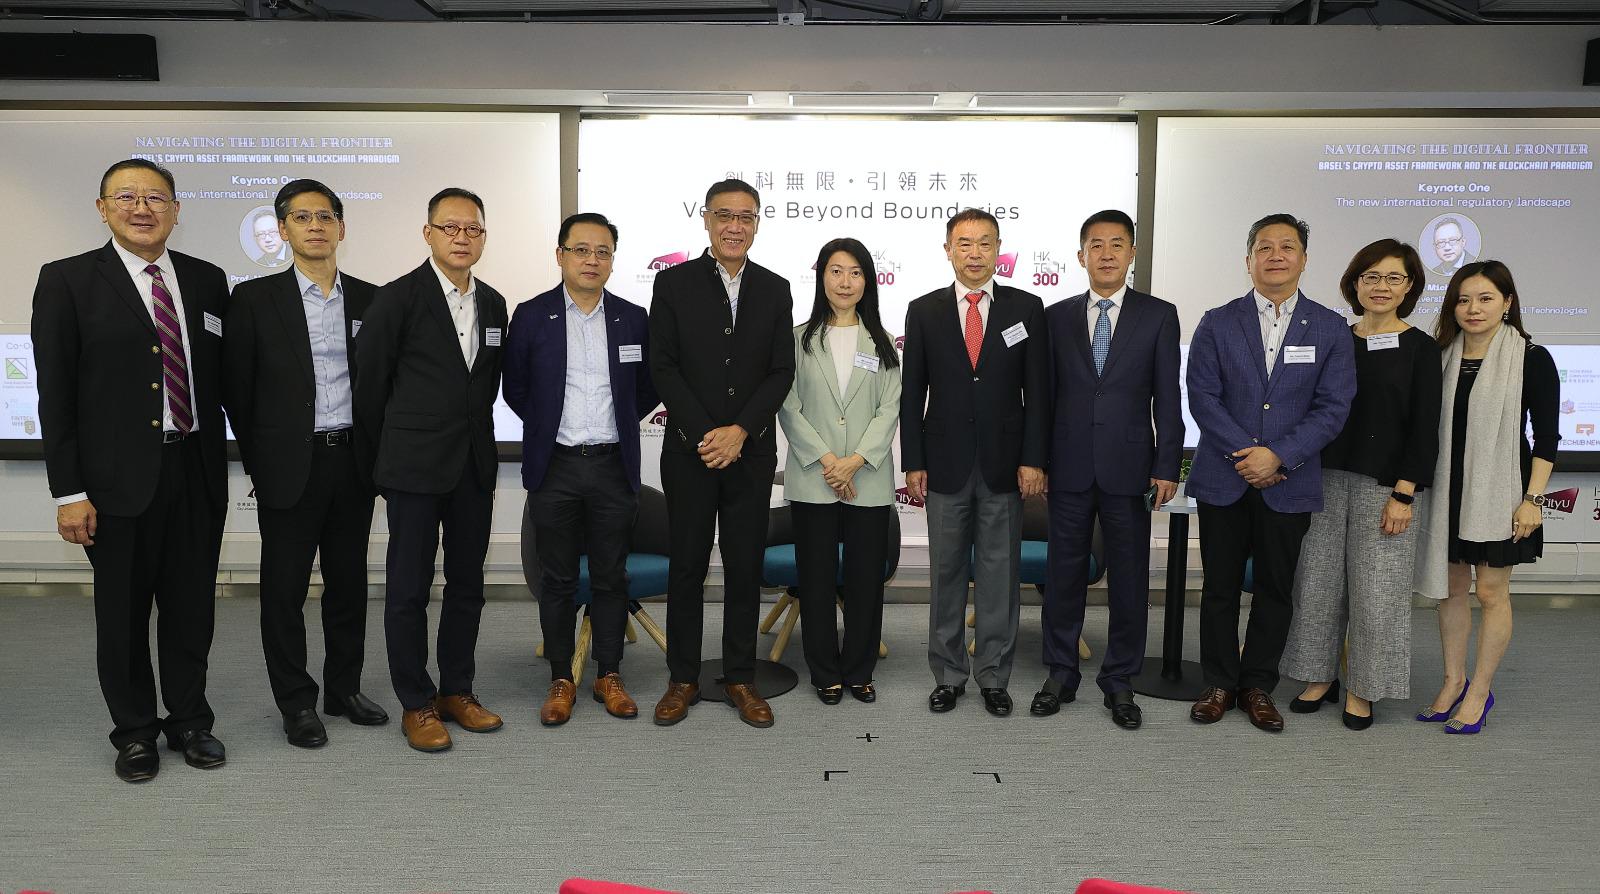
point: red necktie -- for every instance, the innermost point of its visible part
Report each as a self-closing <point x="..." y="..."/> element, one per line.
<point x="174" y="364"/>
<point x="974" y="327"/>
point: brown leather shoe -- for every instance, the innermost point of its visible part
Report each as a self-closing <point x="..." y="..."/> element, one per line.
<point x="423" y="730"/>
<point x="558" y="704"/>
<point x="464" y="709"/>
<point x="608" y="690"/>
<point x="1212" y="705"/>
<point x="1263" y="713"/>
<point x="674" y="706"/>
<point x="753" y="709"/>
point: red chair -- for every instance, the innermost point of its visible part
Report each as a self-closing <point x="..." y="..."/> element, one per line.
<point x="592" y="886"/>
<point x="1106" y="886"/>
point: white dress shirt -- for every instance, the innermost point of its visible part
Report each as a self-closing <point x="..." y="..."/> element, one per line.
<point x="732" y="284"/>
<point x="588" y="414"/>
<point x="842" y="348"/>
<point x="983" y="305"/>
<point x="463" y="307"/>
<point x="1112" y="312"/>
<point x="1274" y="321"/>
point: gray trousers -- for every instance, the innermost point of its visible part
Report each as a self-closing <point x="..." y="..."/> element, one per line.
<point x="1354" y="581"/>
<point x="983" y="528"/>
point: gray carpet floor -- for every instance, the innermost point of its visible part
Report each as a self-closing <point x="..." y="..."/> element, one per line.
<point x="930" y="804"/>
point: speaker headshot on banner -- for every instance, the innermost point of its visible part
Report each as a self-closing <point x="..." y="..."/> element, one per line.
<point x="260" y="239"/>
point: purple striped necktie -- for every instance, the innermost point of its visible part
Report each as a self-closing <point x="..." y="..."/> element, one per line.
<point x="174" y="363"/>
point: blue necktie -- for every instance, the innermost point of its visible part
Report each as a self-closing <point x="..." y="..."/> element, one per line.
<point x="1101" y="345"/>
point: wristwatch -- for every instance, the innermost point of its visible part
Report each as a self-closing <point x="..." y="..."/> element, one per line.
<point x="1535" y="499"/>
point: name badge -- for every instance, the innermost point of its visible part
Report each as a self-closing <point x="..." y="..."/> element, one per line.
<point x="630" y="353"/>
<point x="1014" y="334"/>
<point x="1300" y="354"/>
<point x="355" y="328"/>
<point x="868" y="362"/>
<point x="1383" y="342"/>
<point x="491" y="336"/>
<point x="213" y="324"/>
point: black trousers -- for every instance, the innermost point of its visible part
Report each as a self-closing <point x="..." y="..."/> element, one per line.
<point x="1229" y="535"/>
<point x="165" y="556"/>
<point x="584" y="505"/>
<point x="414" y="523"/>
<point x="332" y="521"/>
<point x="819" y="529"/>
<point x="699" y="501"/>
<point x="1125" y="526"/>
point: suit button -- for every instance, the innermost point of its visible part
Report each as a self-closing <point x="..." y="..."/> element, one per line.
<point x="1255" y="440"/>
<point x="155" y="349"/>
<point x="730" y="392"/>
<point x="841" y="420"/>
<point x="1266" y="406"/>
<point x="974" y="378"/>
<point x="155" y="423"/>
<point x="155" y="386"/>
<point x="728" y="362"/>
<point x="728" y="331"/>
<point x="308" y="403"/>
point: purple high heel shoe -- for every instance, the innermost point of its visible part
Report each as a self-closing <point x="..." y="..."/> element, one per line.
<point x="1457" y="728"/>
<point x="1428" y="715"/>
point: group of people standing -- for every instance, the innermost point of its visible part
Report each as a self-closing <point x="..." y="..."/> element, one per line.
<point x="338" y="391"/>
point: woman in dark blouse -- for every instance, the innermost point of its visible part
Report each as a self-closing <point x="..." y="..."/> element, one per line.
<point x="1496" y="381"/>
<point x="1358" y="558"/>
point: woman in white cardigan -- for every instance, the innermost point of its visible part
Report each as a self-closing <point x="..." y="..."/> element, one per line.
<point x="1496" y="380"/>
<point x="840" y="419"/>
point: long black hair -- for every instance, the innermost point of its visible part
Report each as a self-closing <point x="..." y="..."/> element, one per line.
<point x="866" y="308"/>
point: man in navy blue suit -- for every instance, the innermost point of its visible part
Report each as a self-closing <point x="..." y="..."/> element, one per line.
<point x="1117" y="441"/>
<point x="578" y="373"/>
<point x="1271" y="377"/>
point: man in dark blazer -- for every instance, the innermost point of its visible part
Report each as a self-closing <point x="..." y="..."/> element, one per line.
<point x="288" y="387"/>
<point x="577" y="371"/>
<point x="429" y="360"/>
<point x="976" y="355"/>
<point x="1117" y="442"/>
<point x="722" y="357"/>
<point x="127" y="341"/>
<point x="1271" y="377"/>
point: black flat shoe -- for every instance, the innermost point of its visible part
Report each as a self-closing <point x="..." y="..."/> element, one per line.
<point x="304" y="729"/>
<point x="1124" y="712"/>
<point x="863" y="692"/>
<point x="832" y="695"/>
<point x="138" y="761"/>
<point x="997" y="701"/>
<point x="1356" y="722"/>
<point x="201" y="750"/>
<point x="1312" y="706"/>
<point x="360" y="709"/>
<point x="943" y="697"/>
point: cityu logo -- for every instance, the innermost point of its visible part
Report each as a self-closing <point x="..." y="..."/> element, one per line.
<point x="1006" y="265"/>
<point x="903" y="497"/>
<point x="672" y="260"/>
<point x="659" y="418"/>
<point x="1562" y="500"/>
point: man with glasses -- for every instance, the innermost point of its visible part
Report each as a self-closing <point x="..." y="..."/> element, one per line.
<point x="577" y="372"/>
<point x="1450" y="245"/>
<point x="722" y="357"/>
<point x="128" y="342"/>
<point x="274" y="249"/>
<point x="288" y="345"/>
<point x="428" y="356"/>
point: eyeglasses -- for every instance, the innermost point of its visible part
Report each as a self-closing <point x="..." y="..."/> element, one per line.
<point x="584" y="253"/>
<point x="1445" y="242"/>
<point x="304" y="218"/>
<point x="128" y="200"/>
<point x="473" y="231"/>
<point x="723" y="215"/>
<point x="1394" y="279"/>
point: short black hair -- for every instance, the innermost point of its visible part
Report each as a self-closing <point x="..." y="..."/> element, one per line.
<point x="263" y="214"/>
<point x="1110" y="216"/>
<point x="280" y="205"/>
<point x="1282" y="217"/>
<point x="1372" y="254"/>
<point x="585" y="217"/>
<point x="1449" y="219"/>
<point x="454" y="192"/>
<point x="141" y="164"/>
<point x="967" y="214"/>
<point x="732" y="184"/>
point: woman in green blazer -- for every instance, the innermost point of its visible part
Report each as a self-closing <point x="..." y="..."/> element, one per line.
<point x="840" y="419"/>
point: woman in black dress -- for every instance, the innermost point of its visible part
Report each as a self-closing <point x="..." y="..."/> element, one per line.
<point x="1496" y="380"/>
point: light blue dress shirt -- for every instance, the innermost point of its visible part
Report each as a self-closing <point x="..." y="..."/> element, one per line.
<point x="330" y="358"/>
<point x="587" y="413"/>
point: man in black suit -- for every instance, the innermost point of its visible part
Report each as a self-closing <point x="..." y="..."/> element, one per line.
<point x="1114" y="355"/>
<point x="976" y="356"/>
<point x="128" y="340"/>
<point x="288" y="382"/>
<point x="428" y="357"/>
<point x="722" y="356"/>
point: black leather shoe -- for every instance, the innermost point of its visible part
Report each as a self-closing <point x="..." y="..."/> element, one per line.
<point x="138" y="761"/>
<point x="304" y="729"/>
<point x="943" y="697"/>
<point x="201" y="750"/>
<point x="997" y="702"/>
<point x="831" y="695"/>
<point x="360" y="709"/>
<point x="1049" y="700"/>
<point x="863" y="692"/>
<point x="1124" y="712"/>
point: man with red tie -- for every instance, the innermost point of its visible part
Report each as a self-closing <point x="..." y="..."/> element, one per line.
<point x="127" y="341"/>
